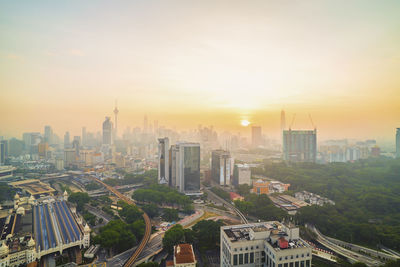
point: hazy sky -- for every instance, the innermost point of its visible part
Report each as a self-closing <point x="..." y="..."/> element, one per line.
<point x="184" y="63"/>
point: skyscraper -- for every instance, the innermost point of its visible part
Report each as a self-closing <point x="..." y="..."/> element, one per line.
<point x="398" y="143"/>
<point x="221" y="166"/>
<point x="163" y="160"/>
<point x="84" y="136"/>
<point x="300" y="146"/>
<point x="48" y="134"/>
<point x="256" y="136"/>
<point x="107" y="130"/>
<point x="186" y="160"/>
<point x="3" y="151"/>
<point x="66" y="140"/>
<point x="116" y="121"/>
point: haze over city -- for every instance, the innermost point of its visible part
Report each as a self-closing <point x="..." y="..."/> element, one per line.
<point x="212" y="62"/>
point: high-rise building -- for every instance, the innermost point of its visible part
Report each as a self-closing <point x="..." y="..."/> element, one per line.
<point x="48" y="134"/>
<point x="31" y="141"/>
<point x="398" y="143"/>
<point x="76" y="144"/>
<point x="67" y="141"/>
<point x="221" y="167"/>
<point x="300" y="146"/>
<point x="163" y="160"/>
<point x="3" y="151"/>
<point x="256" y="136"/>
<point x="116" y="121"/>
<point x="272" y="244"/>
<point x="84" y="136"/>
<point x="107" y="130"/>
<point x="43" y="149"/>
<point x="186" y="161"/>
<point x="242" y="174"/>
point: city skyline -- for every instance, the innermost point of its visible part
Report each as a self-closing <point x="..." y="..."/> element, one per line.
<point x="228" y="62"/>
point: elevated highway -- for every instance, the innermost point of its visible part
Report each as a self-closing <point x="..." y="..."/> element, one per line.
<point x="146" y="218"/>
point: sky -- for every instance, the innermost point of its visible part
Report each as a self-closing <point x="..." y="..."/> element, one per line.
<point x="184" y="63"/>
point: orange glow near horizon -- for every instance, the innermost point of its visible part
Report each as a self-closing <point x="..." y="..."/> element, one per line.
<point x="228" y="62"/>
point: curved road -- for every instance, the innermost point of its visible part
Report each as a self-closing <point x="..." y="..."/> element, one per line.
<point x="146" y="218"/>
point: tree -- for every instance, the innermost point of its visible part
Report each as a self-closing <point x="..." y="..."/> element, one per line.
<point x="173" y="237"/>
<point x="151" y="210"/>
<point x="170" y="215"/>
<point x="80" y="199"/>
<point x="149" y="264"/>
<point x="129" y="213"/>
<point x="207" y="233"/>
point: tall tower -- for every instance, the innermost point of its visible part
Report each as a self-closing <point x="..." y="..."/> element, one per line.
<point x="116" y="121"/>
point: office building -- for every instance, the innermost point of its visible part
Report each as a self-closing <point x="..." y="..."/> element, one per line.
<point x="256" y="136"/>
<point x="31" y="141"/>
<point x="48" y="134"/>
<point x="6" y="172"/>
<point x="221" y="167"/>
<point x="398" y="143"/>
<point x="43" y="149"/>
<point x="84" y="136"/>
<point x="271" y="244"/>
<point x="242" y="174"/>
<point x="173" y="151"/>
<point x="67" y="142"/>
<point x="107" y="131"/>
<point x="76" y="144"/>
<point x="186" y="161"/>
<point x="163" y="160"/>
<point x="300" y="146"/>
<point x="70" y="157"/>
<point x="3" y="151"/>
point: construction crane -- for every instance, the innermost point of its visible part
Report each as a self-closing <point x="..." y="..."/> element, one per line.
<point x="294" y="116"/>
<point x="312" y="123"/>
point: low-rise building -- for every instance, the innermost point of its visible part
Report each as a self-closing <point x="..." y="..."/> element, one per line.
<point x="242" y="174"/>
<point x="271" y="243"/>
<point x="260" y="187"/>
<point x="183" y="256"/>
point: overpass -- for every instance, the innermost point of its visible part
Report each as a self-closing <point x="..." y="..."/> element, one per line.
<point x="146" y="218"/>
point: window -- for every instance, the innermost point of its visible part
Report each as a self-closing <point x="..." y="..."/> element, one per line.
<point x="241" y="259"/>
<point x="246" y="258"/>
<point x="286" y="258"/>
<point x="308" y="254"/>
<point x="280" y="258"/>
<point x="296" y="264"/>
<point x="291" y="257"/>
<point x="285" y="265"/>
<point x="302" y="255"/>
<point x="291" y="264"/>
<point x="307" y="263"/>
<point x="252" y="257"/>
<point x="256" y="247"/>
<point x="235" y="249"/>
<point x="247" y="248"/>
<point x="302" y="264"/>
<point x="235" y="260"/>
<point x="251" y="247"/>
<point x="297" y="256"/>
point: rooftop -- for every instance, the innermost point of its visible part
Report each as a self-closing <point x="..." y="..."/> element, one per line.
<point x="269" y="231"/>
<point x="184" y="254"/>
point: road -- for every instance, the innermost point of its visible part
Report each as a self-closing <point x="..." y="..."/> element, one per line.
<point x="213" y="196"/>
<point x="146" y="218"/>
<point x="351" y="255"/>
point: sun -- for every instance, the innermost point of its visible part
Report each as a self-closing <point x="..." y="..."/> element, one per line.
<point x="244" y="123"/>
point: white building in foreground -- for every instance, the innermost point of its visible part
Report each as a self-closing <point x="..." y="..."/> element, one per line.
<point x="264" y="244"/>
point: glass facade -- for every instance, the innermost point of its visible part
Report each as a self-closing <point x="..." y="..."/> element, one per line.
<point x="300" y="146"/>
<point x="191" y="168"/>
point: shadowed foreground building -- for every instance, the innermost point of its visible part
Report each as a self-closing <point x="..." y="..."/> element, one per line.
<point x="271" y="244"/>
